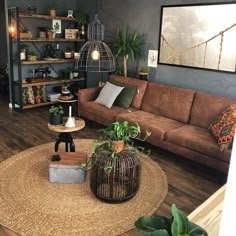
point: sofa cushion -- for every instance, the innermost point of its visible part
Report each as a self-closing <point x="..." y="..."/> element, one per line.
<point x="206" y="108"/>
<point x="171" y="102"/>
<point x="157" y="125"/>
<point x="223" y="128"/>
<point x="137" y="100"/>
<point x="108" y="94"/>
<point x="127" y="94"/>
<point x="196" y="139"/>
<point x="101" y="114"/>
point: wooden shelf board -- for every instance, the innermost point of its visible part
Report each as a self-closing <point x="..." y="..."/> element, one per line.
<point x="38" y="105"/>
<point x="51" y="40"/>
<point x="47" y="61"/>
<point x="59" y="81"/>
<point x="46" y="17"/>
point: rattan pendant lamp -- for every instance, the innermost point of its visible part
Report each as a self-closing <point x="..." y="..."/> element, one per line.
<point x="95" y="55"/>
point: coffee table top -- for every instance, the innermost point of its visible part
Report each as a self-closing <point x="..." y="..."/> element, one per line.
<point x="79" y="124"/>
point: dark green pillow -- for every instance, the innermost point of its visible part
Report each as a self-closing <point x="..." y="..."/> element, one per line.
<point x="126" y="96"/>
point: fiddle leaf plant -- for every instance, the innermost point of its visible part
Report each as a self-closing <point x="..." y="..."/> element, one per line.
<point x="177" y="225"/>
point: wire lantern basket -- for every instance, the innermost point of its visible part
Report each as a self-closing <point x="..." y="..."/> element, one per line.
<point x="122" y="182"/>
<point x="95" y="55"/>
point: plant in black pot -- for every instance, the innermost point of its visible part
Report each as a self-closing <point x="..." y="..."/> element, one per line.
<point x="143" y="73"/>
<point x="177" y="225"/>
<point x="115" y="172"/>
<point x="56" y="114"/>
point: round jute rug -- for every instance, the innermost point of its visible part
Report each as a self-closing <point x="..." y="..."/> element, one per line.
<point x="30" y="205"/>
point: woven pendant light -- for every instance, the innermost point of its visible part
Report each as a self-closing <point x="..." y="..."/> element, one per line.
<point x="95" y="55"/>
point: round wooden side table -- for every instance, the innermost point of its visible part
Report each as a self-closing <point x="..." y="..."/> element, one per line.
<point x="65" y="134"/>
<point x="69" y="102"/>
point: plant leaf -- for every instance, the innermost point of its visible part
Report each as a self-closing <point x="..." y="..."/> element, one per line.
<point x="180" y="222"/>
<point x="196" y="230"/>
<point x="150" y="224"/>
<point x="160" y="232"/>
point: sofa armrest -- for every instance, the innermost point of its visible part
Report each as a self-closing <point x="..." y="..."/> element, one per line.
<point x="88" y="94"/>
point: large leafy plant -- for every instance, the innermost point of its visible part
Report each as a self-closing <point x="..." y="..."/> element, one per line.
<point x="128" y="44"/>
<point x="178" y="225"/>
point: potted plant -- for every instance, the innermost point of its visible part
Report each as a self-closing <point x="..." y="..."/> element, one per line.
<point x="65" y="89"/>
<point x="115" y="171"/>
<point x="143" y="73"/>
<point x="32" y="56"/>
<point x="177" y="225"/>
<point x="128" y="44"/>
<point x="56" y="112"/>
<point x="52" y="9"/>
<point x="117" y="135"/>
<point x="81" y="17"/>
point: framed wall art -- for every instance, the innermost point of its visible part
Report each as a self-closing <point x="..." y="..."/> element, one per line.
<point x="199" y="36"/>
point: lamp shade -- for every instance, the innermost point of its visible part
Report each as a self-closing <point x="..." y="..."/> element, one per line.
<point x="95" y="55"/>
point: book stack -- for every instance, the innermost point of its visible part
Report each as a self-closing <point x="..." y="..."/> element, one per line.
<point x="53" y="96"/>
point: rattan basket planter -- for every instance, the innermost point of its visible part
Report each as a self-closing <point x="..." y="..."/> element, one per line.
<point x="122" y="182"/>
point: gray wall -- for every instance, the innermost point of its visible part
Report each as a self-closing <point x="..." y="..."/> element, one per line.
<point x="144" y="17"/>
<point x="3" y="44"/>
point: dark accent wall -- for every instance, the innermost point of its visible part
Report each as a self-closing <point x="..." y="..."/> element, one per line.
<point x="144" y="17"/>
<point x="3" y="35"/>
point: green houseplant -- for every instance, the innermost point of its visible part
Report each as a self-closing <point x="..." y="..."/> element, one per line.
<point x="56" y="114"/>
<point x="128" y="44"/>
<point x="178" y="225"/>
<point x="118" y="134"/>
<point x="115" y="172"/>
<point x="143" y="73"/>
<point x="81" y="17"/>
<point x="52" y="9"/>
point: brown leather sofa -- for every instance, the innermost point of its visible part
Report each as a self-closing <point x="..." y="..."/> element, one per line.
<point x="177" y="118"/>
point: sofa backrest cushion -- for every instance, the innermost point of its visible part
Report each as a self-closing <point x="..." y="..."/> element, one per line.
<point x="206" y="108"/>
<point x="171" y="102"/>
<point x="137" y="100"/>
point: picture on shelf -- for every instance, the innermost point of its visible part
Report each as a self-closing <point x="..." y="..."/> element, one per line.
<point x="56" y="25"/>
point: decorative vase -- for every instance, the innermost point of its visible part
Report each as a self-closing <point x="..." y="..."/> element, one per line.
<point x="56" y="119"/>
<point x="121" y="183"/>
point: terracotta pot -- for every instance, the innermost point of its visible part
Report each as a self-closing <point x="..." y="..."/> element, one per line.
<point x="50" y="34"/>
<point x="118" y="146"/>
<point x="53" y="13"/>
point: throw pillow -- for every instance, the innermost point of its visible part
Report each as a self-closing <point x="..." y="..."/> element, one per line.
<point x="126" y="96"/>
<point x="223" y="128"/>
<point x="108" y="94"/>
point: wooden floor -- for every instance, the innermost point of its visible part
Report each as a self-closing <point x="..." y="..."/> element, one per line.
<point x="190" y="184"/>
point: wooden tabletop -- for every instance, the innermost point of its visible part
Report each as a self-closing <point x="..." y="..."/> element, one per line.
<point x="208" y="214"/>
<point x="79" y="124"/>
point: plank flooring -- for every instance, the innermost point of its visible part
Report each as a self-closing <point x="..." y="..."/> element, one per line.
<point x="190" y="184"/>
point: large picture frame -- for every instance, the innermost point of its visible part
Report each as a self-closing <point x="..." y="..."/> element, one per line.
<point x="201" y="36"/>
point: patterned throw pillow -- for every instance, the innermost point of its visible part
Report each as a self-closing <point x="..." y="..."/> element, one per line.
<point x="223" y="128"/>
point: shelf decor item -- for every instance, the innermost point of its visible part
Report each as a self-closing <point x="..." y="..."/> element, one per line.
<point x="52" y="9"/>
<point x="143" y="73"/>
<point x="115" y="171"/>
<point x="56" y="112"/>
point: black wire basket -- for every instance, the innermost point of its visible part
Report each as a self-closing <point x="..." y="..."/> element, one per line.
<point x="115" y="180"/>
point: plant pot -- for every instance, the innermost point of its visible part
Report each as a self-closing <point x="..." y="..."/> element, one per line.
<point x="50" y="34"/>
<point x="56" y="119"/>
<point x="143" y="76"/>
<point x="118" y="146"/>
<point x="32" y="58"/>
<point x="53" y="13"/>
<point x="68" y="55"/>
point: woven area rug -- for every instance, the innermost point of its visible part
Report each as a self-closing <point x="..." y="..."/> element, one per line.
<point x="30" y="205"/>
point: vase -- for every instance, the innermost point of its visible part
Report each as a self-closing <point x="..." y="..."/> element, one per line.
<point x="56" y="119"/>
<point x="121" y="182"/>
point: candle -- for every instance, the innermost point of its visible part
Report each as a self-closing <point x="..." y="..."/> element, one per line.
<point x="70" y="111"/>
